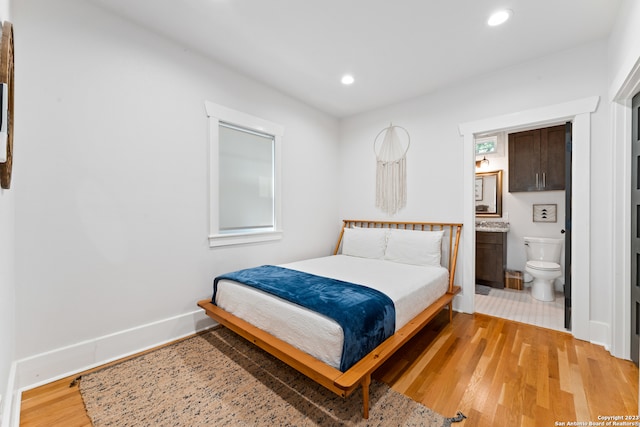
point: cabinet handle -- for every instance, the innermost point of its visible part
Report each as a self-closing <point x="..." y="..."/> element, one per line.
<point x="544" y="180"/>
<point x="537" y="181"/>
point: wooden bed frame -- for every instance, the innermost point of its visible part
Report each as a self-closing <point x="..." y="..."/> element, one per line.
<point x="345" y="383"/>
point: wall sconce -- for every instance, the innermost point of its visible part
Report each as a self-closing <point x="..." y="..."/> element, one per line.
<point x="481" y="164"/>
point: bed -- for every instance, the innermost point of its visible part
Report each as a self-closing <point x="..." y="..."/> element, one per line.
<point x="410" y="266"/>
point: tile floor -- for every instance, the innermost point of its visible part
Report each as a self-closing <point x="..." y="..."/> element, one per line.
<point x="521" y="307"/>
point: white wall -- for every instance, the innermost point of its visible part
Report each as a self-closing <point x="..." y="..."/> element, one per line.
<point x="624" y="50"/>
<point x="111" y="182"/>
<point x="435" y="160"/>
<point x="7" y="277"/>
<point x="7" y="294"/>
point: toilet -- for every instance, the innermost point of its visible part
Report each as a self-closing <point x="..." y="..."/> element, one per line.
<point x="543" y="264"/>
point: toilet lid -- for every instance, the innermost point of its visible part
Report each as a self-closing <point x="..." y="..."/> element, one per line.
<point x="543" y="265"/>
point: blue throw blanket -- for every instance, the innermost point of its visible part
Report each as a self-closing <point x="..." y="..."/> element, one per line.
<point x="367" y="316"/>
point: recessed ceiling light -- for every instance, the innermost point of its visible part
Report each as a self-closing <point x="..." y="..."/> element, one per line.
<point x="499" y="17"/>
<point x="347" y="79"/>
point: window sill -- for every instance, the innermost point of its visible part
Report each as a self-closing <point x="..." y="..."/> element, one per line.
<point x="244" y="238"/>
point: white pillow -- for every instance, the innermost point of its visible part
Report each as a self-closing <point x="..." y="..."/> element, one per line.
<point x="364" y="242"/>
<point x="414" y="247"/>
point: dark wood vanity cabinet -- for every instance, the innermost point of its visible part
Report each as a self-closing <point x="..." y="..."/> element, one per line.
<point x="491" y="258"/>
<point x="536" y="159"/>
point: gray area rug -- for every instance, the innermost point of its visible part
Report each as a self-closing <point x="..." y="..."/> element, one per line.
<point x="483" y="289"/>
<point x="220" y="379"/>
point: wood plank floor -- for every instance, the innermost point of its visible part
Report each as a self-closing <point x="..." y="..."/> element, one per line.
<point x="497" y="372"/>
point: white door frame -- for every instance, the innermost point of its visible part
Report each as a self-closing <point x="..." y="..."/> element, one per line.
<point x="622" y="90"/>
<point x="578" y="112"/>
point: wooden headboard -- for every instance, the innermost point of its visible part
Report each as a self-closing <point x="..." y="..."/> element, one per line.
<point x="450" y="241"/>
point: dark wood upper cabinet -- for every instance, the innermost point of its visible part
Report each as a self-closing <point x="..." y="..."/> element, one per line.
<point x="536" y="159"/>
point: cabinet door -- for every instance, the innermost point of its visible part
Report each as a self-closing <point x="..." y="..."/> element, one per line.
<point x="489" y="270"/>
<point x="536" y="159"/>
<point x="524" y="161"/>
<point x="552" y="153"/>
<point x="490" y="258"/>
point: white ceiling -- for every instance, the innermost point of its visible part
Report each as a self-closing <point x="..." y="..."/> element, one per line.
<point x="396" y="49"/>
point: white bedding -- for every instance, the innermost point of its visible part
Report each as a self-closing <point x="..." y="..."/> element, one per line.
<point x="411" y="287"/>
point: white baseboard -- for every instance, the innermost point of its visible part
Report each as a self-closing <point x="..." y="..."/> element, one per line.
<point x="462" y="303"/>
<point x="43" y="368"/>
<point x="10" y="411"/>
<point x="599" y="334"/>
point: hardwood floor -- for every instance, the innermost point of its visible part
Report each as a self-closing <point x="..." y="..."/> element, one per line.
<point x="497" y="372"/>
<point x="503" y="373"/>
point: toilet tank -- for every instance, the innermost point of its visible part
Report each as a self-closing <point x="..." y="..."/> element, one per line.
<point x="543" y="249"/>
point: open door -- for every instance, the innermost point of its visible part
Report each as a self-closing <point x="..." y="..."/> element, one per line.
<point x="567" y="227"/>
<point x="635" y="229"/>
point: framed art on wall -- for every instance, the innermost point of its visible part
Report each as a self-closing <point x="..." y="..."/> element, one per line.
<point x="545" y="213"/>
<point x="6" y="115"/>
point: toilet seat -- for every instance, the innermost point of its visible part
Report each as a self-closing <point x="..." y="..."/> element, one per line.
<point x="543" y="265"/>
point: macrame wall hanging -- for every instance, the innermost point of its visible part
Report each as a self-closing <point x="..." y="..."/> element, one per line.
<point x="391" y="169"/>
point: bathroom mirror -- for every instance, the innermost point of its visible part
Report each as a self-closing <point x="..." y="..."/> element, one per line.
<point x="488" y="193"/>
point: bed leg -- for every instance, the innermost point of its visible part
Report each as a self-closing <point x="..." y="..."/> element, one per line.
<point x="366" y="381"/>
<point x="451" y="312"/>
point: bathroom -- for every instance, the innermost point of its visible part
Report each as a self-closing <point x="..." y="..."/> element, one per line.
<point x="509" y="217"/>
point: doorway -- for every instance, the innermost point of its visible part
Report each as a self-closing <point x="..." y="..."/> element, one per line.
<point x="536" y="200"/>
<point x="634" y="283"/>
<point x="578" y="112"/>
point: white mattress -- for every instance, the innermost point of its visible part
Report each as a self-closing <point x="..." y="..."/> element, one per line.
<point x="411" y="288"/>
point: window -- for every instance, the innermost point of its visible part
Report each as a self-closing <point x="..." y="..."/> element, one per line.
<point x="487" y="145"/>
<point x="244" y="168"/>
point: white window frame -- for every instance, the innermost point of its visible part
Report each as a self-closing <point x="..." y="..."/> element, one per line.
<point x="216" y="114"/>
<point x="492" y="138"/>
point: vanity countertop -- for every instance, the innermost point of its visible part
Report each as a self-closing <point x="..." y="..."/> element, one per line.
<point x="492" y="226"/>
